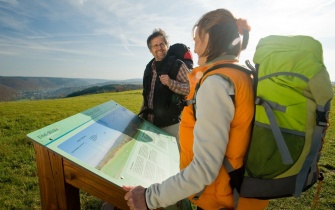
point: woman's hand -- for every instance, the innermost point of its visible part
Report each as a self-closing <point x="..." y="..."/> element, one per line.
<point x="135" y="197"/>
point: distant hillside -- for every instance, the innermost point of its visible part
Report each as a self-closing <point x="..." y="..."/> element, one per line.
<point x="106" y="89"/>
<point x="6" y="92"/>
<point x="18" y="88"/>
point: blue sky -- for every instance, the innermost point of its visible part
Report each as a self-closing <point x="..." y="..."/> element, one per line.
<point x="106" y="39"/>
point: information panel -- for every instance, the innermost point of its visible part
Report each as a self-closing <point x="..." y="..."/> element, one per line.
<point x="114" y="143"/>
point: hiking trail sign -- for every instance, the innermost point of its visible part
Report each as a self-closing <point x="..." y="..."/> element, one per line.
<point x="112" y="143"/>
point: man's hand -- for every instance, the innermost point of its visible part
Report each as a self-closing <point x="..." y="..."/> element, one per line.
<point x="135" y="197"/>
<point x="165" y="79"/>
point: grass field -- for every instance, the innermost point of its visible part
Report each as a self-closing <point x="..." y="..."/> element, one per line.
<point x="18" y="174"/>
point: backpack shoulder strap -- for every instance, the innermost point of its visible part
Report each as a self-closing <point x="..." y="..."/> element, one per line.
<point x="171" y="67"/>
<point x="249" y="69"/>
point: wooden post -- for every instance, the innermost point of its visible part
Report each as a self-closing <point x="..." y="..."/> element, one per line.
<point x="55" y="192"/>
<point x="60" y="181"/>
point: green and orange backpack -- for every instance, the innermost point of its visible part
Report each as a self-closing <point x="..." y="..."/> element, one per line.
<point x="293" y="92"/>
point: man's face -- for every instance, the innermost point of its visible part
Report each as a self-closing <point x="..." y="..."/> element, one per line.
<point x="158" y="48"/>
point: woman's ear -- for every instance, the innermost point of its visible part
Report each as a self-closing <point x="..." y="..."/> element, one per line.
<point x="206" y="40"/>
<point x="203" y="58"/>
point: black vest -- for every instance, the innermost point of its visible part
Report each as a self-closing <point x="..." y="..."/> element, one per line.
<point x="166" y="103"/>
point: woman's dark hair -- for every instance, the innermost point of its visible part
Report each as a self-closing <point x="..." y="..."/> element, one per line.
<point x="223" y="32"/>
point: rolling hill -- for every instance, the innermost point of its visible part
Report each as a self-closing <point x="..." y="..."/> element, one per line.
<point x="18" y="88"/>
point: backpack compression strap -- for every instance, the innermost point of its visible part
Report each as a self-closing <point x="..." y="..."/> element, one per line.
<point x="320" y="127"/>
<point x="282" y="147"/>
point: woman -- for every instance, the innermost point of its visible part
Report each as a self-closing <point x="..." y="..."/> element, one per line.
<point x="224" y="112"/>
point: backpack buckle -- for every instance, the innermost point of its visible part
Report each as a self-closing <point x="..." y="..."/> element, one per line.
<point x="321" y="119"/>
<point x="258" y="101"/>
<point x="321" y="177"/>
<point x="182" y="103"/>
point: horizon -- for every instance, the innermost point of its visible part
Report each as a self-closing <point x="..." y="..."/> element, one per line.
<point x="102" y="39"/>
<point x="72" y="78"/>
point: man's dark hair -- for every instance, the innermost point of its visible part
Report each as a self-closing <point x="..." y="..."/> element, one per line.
<point x="156" y="33"/>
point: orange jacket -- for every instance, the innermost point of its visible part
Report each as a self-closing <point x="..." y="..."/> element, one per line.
<point x="219" y="194"/>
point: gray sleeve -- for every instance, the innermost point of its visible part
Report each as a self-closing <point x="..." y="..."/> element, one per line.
<point x="215" y="111"/>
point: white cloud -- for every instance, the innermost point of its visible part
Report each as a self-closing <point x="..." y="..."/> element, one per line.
<point x="107" y="35"/>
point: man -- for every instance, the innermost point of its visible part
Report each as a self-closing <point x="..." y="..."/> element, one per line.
<point x="165" y="82"/>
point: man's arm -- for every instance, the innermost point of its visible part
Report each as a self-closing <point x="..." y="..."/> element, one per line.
<point x="181" y="85"/>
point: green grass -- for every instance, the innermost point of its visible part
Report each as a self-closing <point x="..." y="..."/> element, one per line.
<point x="18" y="174"/>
